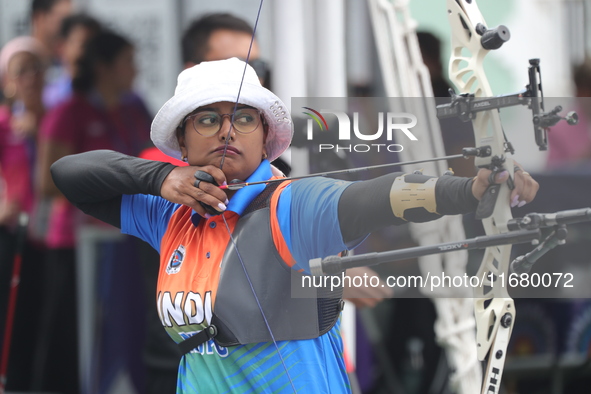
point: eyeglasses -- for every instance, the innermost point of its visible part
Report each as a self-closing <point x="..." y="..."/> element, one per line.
<point x="208" y="123"/>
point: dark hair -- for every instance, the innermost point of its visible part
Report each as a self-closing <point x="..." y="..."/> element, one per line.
<point x="195" y="39"/>
<point x="100" y="49"/>
<point x="79" y="20"/>
<point x="582" y="73"/>
<point x="43" y="6"/>
<point x="430" y="45"/>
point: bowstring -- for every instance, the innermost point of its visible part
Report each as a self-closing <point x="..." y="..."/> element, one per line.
<point x="254" y="30"/>
<point x="259" y="305"/>
<point x="223" y="214"/>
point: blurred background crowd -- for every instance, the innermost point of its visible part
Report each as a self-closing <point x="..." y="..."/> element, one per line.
<point x="75" y="77"/>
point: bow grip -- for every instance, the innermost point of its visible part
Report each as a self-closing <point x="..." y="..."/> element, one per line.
<point x="486" y="206"/>
<point x="487" y="203"/>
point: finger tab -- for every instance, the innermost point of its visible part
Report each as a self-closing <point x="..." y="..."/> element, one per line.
<point x="205" y="177"/>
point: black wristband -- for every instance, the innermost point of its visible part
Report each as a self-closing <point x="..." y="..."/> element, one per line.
<point x="454" y="195"/>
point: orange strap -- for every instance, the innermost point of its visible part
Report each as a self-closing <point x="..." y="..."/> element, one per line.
<point x="278" y="238"/>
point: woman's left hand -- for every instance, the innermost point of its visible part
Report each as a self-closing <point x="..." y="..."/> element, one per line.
<point x="525" y="186"/>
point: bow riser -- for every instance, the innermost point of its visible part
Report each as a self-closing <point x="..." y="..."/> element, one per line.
<point x="493" y="302"/>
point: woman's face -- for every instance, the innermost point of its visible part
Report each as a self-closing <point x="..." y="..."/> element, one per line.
<point x="24" y="78"/>
<point x="73" y="46"/>
<point x="245" y="151"/>
<point x="122" y="71"/>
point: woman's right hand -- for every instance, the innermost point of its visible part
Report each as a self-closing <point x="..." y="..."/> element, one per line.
<point x="179" y="188"/>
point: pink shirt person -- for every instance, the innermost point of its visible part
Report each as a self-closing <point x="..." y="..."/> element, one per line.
<point x="83" y="124"/>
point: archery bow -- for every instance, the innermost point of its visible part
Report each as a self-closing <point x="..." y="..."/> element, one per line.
<point x="471" y="41"/>
<point x="494" y="308"/>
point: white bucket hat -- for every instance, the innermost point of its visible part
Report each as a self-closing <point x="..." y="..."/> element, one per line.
<point x="212" y="82"/>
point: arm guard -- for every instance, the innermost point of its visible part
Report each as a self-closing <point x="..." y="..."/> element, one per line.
<point x="398" y="198"/>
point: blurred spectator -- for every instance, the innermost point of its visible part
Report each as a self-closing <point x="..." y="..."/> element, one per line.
<point x="570" y="146"/>
<point x="46" y="19"/>
<point x="219" y="37"/>
<point x="22" y="66"/>
<point x="102" y="114"/>
<point x="75" y="31"/>
<point x="431" y="51"/>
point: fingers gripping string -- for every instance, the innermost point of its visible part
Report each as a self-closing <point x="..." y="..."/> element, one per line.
<point x="254" y="30"/>
<point x="259" y="304"/>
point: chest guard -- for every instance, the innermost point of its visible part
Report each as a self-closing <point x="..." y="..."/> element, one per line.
<point x="292" y="312"/>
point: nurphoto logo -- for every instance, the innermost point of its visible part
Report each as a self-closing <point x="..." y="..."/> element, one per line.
<point x="390" y="122"/>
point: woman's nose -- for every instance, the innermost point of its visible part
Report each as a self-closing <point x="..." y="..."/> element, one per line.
<point x="226" y="129"/>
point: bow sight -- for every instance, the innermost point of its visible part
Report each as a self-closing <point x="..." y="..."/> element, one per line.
<point x="466" y="105"/>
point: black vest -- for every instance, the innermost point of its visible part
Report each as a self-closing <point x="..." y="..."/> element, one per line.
<point x="237" y="318"/>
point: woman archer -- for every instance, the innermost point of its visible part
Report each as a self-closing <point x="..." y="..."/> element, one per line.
<point x="227" y="256"/>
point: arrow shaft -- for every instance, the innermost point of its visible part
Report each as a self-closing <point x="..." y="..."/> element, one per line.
<point x="237" y="186"/>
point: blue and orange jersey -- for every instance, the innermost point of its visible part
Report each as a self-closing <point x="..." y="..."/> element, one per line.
<point x="304" y="225"/>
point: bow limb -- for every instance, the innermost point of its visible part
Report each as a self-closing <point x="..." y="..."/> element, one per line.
<point x="494" y="308"/>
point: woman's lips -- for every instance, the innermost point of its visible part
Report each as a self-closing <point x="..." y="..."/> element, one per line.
<point x="229" y="151"/>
